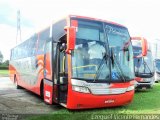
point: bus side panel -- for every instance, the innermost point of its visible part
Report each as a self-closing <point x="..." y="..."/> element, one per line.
<point x="48" y="83"/>
<point x="39" y="72"/>
<point x="32" y="80"/>
<point x="12" y="71"/>
<point x="48" y="66"/>
<point x="45" y="71"/>
<point x="48" y="91"/>
<point x="40" y="78"/>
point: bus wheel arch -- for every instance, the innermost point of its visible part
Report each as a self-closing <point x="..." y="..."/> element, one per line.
<point x="42" y="89"/>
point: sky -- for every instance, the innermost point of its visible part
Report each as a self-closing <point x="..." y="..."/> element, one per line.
<point x="141" y="17"/>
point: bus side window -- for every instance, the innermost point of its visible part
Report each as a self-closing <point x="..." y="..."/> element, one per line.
<point x="43" y="36"/>
<point x="48" y="46"/>
<point x="32" y="46"/>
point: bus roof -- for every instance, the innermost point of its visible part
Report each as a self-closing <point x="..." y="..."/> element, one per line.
<point x="59" y="26"/>
<point x="95" y="19"/>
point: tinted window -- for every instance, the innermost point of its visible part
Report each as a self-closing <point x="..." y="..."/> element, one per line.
<point x="43" y="36"/>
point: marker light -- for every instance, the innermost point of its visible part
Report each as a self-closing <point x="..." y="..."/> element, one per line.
<point x="81" y="89"/>
<point x="130" y="88"/>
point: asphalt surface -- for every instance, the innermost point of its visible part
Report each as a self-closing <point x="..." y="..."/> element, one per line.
<point x="21" y="101"/>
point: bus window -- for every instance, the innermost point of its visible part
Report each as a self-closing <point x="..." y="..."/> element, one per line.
<point x="32" y="46"/>
<point x="43" y="36"/>
<point x="48" y="46"/>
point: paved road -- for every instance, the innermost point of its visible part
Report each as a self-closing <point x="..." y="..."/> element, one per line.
<point x="21" y="101"/>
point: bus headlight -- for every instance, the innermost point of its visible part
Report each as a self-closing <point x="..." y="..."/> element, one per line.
<point x="80" y="89"/>
<point x="130" y="88"/>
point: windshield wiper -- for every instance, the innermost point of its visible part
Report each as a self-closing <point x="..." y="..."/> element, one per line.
<point x="145" y="64"/>
<point x="98" y="72"/>
<point x="114" y="61"/>
<point x="126" y="48"/>
<point x="138" y="66"/>
<point x="144" y="74"/>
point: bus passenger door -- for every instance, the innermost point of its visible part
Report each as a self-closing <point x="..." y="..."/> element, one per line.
<point x="61" y="78"/>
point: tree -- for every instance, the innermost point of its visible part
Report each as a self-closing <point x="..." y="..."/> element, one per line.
<point x="1" y="57"/>
<point x="6" y="62"/>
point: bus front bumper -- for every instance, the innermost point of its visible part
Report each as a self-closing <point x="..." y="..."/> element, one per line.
<point x="144" y="85"/>
<point x="78" y="100"/>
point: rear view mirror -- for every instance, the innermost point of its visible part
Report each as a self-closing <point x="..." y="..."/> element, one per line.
<point x="71" y="38"/>
<point x="144" y="47"/>
<point x="141" y="43"/>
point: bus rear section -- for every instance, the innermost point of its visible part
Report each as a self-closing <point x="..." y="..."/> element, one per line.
<point x="144" y="68"/>
<point x="85" y="63"/>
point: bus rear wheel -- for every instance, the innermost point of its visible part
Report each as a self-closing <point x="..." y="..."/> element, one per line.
<point x="16" y="83"/>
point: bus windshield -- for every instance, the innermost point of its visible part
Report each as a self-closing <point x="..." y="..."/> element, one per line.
<point x="143" y="65"/>
<point x="120" y="44"/>
<point x="91" y="59"/>
<point x="89" y="52"/>
<point x="149" y="62"/>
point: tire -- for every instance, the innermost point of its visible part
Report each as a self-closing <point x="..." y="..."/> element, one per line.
<point x="16" y="83"/>
<point x="157" y="81"/>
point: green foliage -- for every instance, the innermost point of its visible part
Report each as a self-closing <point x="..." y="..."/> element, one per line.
<point x="4" y="65"/>
<point x="3" y="68"/>
<point x="3" y="72"/>
<point x="1" y="57"/>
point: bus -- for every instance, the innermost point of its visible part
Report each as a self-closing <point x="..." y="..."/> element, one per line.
<point x="77" y="62"/>
<point x="144" y="66"/>
<point x="157" y="70"/>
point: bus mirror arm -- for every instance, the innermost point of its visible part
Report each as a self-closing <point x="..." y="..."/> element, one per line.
<point x="71" y="38"/>
<point x="63" y="47"/>
<point x="144" y="47"/>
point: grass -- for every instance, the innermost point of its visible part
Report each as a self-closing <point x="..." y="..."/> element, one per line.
<point x="3" y="73"/>
<point x="145" y="102"/>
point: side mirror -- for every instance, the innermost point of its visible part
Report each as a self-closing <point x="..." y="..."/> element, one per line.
<point x="71" y="38"/>
<point x="144" y="45"/>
